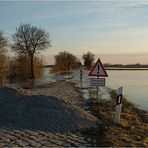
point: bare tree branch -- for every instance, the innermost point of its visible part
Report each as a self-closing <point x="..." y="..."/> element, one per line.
<point x="3" y="42"/>
<point x="30" y="40"/>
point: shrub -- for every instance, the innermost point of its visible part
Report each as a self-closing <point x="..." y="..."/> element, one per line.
<point x="19" y="68"/>
<point x="3" y="68"/>
<point x="64" y="62"/>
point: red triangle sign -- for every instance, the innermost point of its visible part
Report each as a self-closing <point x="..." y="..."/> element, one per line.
<point x="98" y="70"/>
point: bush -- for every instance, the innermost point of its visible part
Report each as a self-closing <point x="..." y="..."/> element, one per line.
<point x="88" y="59"/>
<point x="3" y="68"/>
<point x="3" y="58"/>
<point x="19" y="68"/>
<point x="64" y="62"/>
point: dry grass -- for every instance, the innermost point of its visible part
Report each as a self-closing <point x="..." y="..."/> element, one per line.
<point x="131" y="132"/>
<point x="3" y="68"/>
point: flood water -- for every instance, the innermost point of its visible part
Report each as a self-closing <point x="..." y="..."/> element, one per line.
<point x="135" y="83"/>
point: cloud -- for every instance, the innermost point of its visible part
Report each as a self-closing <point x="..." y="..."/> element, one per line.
<point x="119" y="41"/>
<point x="62" y="9"/>
<point x="103" y="25"/>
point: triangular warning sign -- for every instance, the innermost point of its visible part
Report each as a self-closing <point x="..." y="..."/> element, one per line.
<point x="98" y="70"/>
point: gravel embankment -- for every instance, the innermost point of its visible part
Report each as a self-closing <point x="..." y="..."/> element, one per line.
<point x="54" y="109"/>
<point x="64" y="91"/>
<point x="47" y="109"/>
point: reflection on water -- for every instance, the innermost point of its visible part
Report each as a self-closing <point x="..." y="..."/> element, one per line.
<point x="135" y="85"/>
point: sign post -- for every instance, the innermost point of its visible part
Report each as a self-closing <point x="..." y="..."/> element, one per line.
<point x="81" y="77"/>
<point x="98" y="71"/>
<point x="118" y="105"/>
<point x="97" y="85"/>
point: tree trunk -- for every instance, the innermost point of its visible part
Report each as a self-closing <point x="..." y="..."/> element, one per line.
<point x="32" y="67"/>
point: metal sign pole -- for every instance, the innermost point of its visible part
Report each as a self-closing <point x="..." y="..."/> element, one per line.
<point x="97" y="85"/>
<point x="81" y="77"/>
<point x="97" y="94"/>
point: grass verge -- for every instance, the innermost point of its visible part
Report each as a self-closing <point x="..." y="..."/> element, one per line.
<point x="131" y="132"/>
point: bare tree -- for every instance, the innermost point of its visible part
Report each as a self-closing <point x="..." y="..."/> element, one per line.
<point x="64" y="62"/>
<point x="3" y="42"/>
<point x="88" y="59"/>
<point x="30" y="40"/>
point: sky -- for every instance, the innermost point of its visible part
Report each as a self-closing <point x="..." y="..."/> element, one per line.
<point x="110" y="29"/>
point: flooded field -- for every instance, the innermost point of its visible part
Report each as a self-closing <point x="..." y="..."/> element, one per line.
<point x="135" y="83"/>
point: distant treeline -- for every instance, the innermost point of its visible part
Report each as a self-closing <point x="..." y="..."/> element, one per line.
<point x="138" y="65"/>
<point x="113" y="65"/>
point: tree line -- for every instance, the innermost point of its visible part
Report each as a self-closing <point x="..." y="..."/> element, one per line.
<point x="27" y="43"/>
<point x="137" y="65"/>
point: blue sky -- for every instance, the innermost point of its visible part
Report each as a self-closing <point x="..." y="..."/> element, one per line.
<point x="103" y="27"/>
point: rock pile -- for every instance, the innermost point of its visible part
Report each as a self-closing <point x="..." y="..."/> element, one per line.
<point x="51" y="110"/>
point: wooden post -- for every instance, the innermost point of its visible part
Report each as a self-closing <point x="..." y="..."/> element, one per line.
<point x="118" y="105"/>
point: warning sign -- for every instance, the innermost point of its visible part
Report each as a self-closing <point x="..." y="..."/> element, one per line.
<point x="98" y="70"/>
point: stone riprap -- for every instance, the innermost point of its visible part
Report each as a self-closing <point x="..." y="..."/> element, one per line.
<point x="28" y="138"/>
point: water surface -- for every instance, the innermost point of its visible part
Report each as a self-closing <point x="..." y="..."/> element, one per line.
<point x="135" y="85"/>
